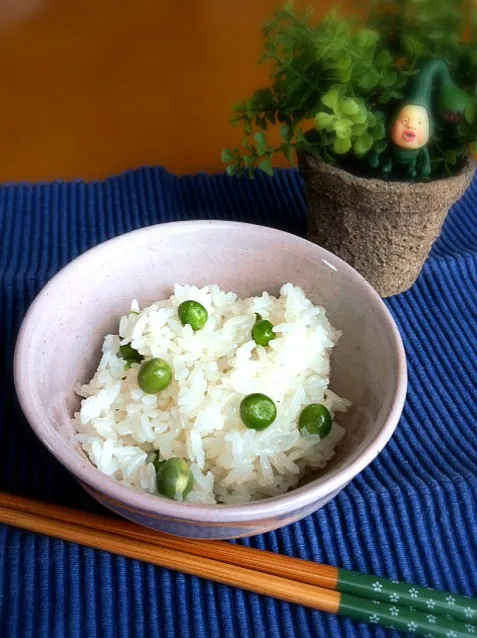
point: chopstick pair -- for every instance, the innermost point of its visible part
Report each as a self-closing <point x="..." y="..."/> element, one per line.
<point x="365" y="598"/>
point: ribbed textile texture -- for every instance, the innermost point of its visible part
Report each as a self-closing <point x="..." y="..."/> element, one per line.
<point x="410" y="515"/>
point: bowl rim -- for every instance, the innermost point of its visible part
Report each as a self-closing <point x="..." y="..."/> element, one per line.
<point x="158" y="507"/>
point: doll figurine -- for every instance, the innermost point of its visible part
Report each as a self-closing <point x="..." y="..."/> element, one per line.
<point x="433" y="94"/>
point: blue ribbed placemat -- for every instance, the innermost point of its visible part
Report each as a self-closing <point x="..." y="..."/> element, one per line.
<point x="411" y="515"/>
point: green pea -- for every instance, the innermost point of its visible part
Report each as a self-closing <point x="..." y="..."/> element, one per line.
<point x="316" y="419"/>
<point x="130" y="354"/>
<point x="174" y="479"/>
<point x="257" y="411"/>
<point x="154" y="375"/>
<point x="193" y="313"/>
<point x="262" y="332"/>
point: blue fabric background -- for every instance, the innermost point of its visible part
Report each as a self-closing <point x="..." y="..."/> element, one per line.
<point x="410" y="515"/>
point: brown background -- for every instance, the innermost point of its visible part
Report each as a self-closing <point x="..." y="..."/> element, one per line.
<point x="90" y="88"/>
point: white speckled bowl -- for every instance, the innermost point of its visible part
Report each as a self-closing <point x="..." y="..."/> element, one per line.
<point x="60" y="339"/>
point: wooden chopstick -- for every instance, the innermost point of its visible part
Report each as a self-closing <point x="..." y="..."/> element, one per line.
<point x="295" y="569"/>
<point x="255" y="570"/>
<point x="276" y="564"/>
<point x="281" y="588"/>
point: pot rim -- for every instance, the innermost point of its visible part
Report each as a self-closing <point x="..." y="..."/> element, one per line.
<point x="312" y="164"/>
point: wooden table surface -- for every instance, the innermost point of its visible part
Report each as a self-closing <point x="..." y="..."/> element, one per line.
<point x="93" y="87"/>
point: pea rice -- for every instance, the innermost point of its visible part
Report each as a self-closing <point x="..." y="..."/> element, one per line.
<point x="197" y="416"/>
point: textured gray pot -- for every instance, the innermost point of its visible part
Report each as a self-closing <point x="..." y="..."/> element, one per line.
<point x="383" y="229"/>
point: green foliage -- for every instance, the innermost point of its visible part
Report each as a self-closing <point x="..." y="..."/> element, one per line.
<point x="334" y="85"/>
<point x="346" y="123"/>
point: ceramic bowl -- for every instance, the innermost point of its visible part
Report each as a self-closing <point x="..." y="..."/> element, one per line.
<point x="60" y="342"/>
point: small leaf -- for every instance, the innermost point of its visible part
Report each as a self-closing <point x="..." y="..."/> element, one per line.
<point x="359" y="129"/>
<point x="414" y="46"/>
<point x="362" y="144"/>
<point x="366" y="38"/>
<point x="388" y="79"/>
<point x="470" y="113"/>
<point x="463" y="128"/>
<point x="324" y="120"/>
<point x="231" y="169"/>
<point x="247" y="127"/>
<point x="371" y="118"/>
<point x="300" y="136"/>
<point x="389" y="94"/>
<point x="380" y="146"/>
<point x="451" y="158"/>
<point x="266" y="166"/>
<point x="262" y="145"/>
<point x="287" y="150"/>
<point x="344" y="62"/>
<point x="342" y="146"/>
<point x="369" y="80"/>
<point x="331" y="99"/>
<point x="360" y="117"/>
<point x="227" y="155"/>
<point x="286" y="132"/>
<point x="343" y="128"/>
<point x="239" y="107"/>
<point x="386" y="96"/>
<point x="264" y="97"/>
<point x="344" y="75"/>
<point x="384" y="58"/>
<point x="378" y="131"/>
<point x="400" y="82"/>
<point x="349" y="107"/>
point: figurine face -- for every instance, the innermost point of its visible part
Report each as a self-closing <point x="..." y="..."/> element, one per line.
<point x="411" y="127"/>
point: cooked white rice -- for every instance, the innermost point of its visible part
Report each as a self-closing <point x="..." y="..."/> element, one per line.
<point x="197" y="416"/>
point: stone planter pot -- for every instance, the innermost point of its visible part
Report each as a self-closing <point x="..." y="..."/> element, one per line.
<point x="383" y="229"/>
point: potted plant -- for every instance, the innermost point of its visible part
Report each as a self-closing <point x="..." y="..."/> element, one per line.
<point x="381" y="113"/>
